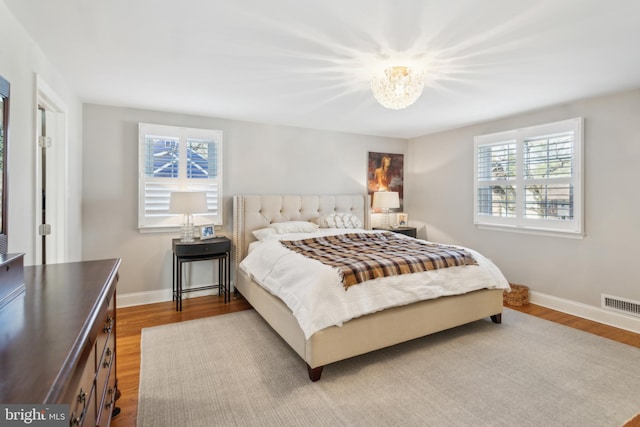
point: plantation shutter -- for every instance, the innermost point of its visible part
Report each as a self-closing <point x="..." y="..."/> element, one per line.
<point x="178" y="159"/>
<point x="531" y="179"/>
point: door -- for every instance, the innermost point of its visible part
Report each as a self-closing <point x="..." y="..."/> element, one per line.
<point x="51" y="171"/>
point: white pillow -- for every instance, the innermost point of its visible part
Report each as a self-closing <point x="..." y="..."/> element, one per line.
<point x="320" y="221"/>
<point x="340" y="220"/>
<point x="264" y="233"/>
<point x="294" y="227"/>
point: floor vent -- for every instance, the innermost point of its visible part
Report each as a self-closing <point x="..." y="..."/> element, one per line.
<point x="623" y="305"/>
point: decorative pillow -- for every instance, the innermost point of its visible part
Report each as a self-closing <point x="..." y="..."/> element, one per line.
<point x="264" y="233"/>
<point x="340" y="220"/>
<point x="294" y="227"/>
<point x="320" y="221"/>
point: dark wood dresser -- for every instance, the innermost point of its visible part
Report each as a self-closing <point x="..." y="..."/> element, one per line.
<point x="57" y="340"/>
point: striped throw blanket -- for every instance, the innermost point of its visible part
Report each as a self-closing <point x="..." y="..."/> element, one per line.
<point x="363" y="256"/>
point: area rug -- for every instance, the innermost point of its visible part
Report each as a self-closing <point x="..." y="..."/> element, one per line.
<point x="233" y="370"/>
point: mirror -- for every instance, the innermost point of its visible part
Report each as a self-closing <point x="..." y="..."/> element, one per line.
<point x="4" y="125"/>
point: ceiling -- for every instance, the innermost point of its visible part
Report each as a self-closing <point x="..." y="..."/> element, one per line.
<point x="308" y="63"/>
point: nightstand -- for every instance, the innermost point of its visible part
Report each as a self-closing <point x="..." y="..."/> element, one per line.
<point x="407" y="231"/>
<point x="201" y="250"/>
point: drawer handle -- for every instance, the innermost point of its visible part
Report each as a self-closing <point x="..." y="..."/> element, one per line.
<point x="108" y="323"/>
<point x="111" y="400"/>
<point x="107" y="362"/>
<point x="82" y="398"/>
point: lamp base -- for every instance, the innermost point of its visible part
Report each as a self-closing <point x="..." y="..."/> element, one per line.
<point x="187" y="234"/>
<point x="384" y="221"/>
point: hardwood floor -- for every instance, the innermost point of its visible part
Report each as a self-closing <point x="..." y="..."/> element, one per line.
<point x="131" y="321"/>
<point x="590" y="326"/>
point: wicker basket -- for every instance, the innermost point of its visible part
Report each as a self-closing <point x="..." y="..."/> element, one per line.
<point x="518" y="296"/>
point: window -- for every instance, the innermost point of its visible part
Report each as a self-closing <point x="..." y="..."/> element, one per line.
<point x="530" y="179"/>
<point x="177" y="159"/>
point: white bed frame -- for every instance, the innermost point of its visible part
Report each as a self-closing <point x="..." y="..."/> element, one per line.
<point x="360" y="335"/>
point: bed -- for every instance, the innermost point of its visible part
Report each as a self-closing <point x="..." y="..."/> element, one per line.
<point x="359" y="335"/>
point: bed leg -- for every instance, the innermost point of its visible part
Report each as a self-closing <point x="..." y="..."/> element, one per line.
<point x="314" y="373"/>
<point x="497" y="318"/>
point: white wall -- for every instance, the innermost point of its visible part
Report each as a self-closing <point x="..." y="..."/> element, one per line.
<point x="440" y="178"/>
<point x="258" y="159"/>
<point x="20" y="60"/>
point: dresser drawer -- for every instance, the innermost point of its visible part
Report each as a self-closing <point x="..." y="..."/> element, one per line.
<point x="11" y="277"/>
<point x="104" y="368"/>
<point x="81" y="394"/>
<point x="105" y="387"/>
<point x="218" y="245"/>
<point x="105" y="329"/>
<point x="108" y="400"/>
<point x="105" y="362"/>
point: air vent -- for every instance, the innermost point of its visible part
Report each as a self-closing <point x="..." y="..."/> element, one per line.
<point x="622" y="305"/>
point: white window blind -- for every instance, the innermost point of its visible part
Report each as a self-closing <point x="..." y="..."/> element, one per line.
<point x="530" y="179"/>
<point x="177" y="159"/>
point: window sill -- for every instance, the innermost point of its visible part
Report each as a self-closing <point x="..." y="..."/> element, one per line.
<point x="160" y="229"/>
<point x="172" y="228"/>
<point x="533" y="231"/>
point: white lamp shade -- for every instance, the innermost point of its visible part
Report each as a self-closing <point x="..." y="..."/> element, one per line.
<point x="188" y="202"/>
<point x="386" y="200"/>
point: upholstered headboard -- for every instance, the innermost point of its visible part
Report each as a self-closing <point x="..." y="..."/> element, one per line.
<point x="252" y="212"/>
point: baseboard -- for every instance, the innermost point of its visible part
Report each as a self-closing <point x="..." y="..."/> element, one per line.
<point x="590" y="312"/>
<point x="152" y="297"/>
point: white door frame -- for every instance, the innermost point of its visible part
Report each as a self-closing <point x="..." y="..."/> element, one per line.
<point x="57" y="174"/>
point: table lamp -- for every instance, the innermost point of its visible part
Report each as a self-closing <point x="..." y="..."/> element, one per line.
<point x="187" y="203"/>
<point x="386" y="200"/>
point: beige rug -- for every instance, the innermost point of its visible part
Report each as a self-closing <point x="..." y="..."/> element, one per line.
<point x="233" y="370"/>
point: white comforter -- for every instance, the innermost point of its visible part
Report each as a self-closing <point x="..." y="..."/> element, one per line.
<point x="315" y="294"/>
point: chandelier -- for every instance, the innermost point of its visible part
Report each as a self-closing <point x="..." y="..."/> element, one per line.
<point x="397" y="87"/>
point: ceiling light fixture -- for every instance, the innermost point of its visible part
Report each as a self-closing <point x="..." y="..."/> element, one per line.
<point x="397" y="87"/>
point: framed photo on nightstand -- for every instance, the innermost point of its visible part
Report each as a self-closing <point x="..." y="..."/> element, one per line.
<point x="403" y="219"/>
<point x="207" y="232"/>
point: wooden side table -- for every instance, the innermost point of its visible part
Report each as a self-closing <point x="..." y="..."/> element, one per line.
<point x="408" y="231"/>
<point x="201" y="250"/>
